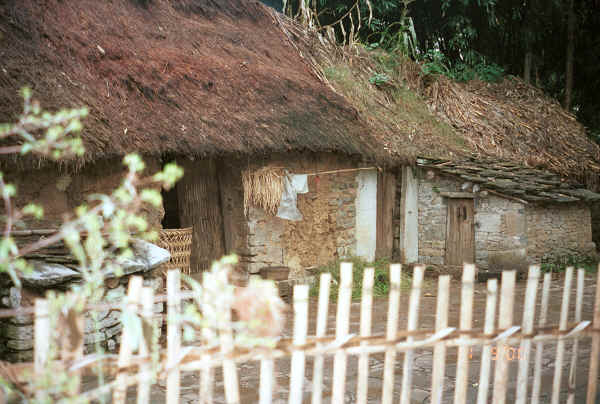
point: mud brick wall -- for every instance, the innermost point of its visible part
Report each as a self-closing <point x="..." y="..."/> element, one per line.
<point x="61" y="191"/>
<point x="327" y="230"/>
<point x="559" y="230"/>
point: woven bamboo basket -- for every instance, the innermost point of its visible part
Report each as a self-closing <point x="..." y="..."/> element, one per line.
<point x="179" y="243"/>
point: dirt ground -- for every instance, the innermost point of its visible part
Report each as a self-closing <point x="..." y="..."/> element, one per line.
<point x="249" y="372"/>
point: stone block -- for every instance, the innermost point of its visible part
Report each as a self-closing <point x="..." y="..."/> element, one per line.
<point x="508" y="260"/>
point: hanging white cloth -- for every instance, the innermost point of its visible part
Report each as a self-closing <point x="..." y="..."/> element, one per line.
<point x="292" y="186"/>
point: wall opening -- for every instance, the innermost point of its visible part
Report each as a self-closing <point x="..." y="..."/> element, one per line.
<point x="171" y="206"/>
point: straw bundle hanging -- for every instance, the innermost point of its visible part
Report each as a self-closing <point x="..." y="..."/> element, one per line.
<point x="263" y="188"/>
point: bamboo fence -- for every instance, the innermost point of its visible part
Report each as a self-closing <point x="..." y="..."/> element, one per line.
<point x="499" y="334"/>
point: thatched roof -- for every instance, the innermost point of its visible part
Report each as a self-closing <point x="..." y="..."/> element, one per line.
<point x="198" y="77"/>
<point x="433" y="117"/>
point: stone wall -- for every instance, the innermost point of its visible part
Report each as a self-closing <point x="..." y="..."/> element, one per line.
<point x="16" y="333"/>
<point x="500" y="226"/>
<point x="327" y="230"/>
<point x="559" y="230"/>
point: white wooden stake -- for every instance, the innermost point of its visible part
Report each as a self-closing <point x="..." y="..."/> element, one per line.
<point x="323" y="311"/>
<point x="595" y="352"/>
<point x="466" y="322"/>
<point x="145" y="371"/>
<point x="41" y="343"/>
<point x="125" y="353"/>
<point x="413" y="320"/>
<point x="439" y="352"/>
<point x="539" y="346"/>
<point x="507" y="295"/>
<point x="173" y="334"/>
<point x="527" y="328"/>
<point x="560" y="348"/>
<point x="392" y="330"/>
<point x="300" y="331"/>
<point x="488" y="329"/>
<point x="578" y="309"/>
<point x="341" y="331"/>
<point x="366" y="308"/>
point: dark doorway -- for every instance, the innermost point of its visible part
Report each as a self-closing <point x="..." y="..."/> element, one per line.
<point x="171" y="205"/>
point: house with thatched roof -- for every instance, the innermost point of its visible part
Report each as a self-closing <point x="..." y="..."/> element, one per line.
<point x="292" y="156"/>
<point x="217" y="87"/>
<point x="496" y="174"/>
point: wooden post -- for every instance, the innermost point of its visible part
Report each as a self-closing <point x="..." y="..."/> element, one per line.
<point x="413" y="320"/>
<point x="439" y="352"/>
<point x="125" y="353"/>
<point x="560" y="348"/>
<point x="392" y="330"/>
<point x="341" y="331"/>
<point x="539" y="346"/>
<point x="145" y="371"/>
<point x="488" y="329"/>
<point x="42" y="343"/>
<point x="265" y="392"/>
<point x="578" y="308"/>
<point x="505" y="319"/>
<point x="466" y="320"/>
<point x="323" y="311"/>
<point x="207" y="372"/>
<point x="230" y="378"/>
<point x="595" y="353"/>
<point x="366" y="307"/>
<point x="527" y="329"/>
<point x="173" y="334"/>
<point x="300" y="331"/>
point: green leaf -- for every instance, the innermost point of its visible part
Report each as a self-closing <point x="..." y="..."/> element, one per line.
<point x="151" y="196"/>
<point x="34" y="210"/>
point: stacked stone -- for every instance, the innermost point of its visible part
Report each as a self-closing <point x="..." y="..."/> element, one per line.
<point x="16" y="333"/>
<point x="343" y="197"/>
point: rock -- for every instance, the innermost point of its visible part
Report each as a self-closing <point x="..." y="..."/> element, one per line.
<point x="46" y="275"/>
<point x="146" y="256"/>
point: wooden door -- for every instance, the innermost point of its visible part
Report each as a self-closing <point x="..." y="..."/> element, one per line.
<point x="386" y="198"/>
<point x="460" y="233"/>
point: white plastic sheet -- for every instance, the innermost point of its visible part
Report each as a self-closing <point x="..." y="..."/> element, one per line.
<point x="293" y="185"/>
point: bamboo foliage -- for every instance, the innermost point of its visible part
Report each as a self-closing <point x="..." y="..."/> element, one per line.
<point x="133" y="368"/>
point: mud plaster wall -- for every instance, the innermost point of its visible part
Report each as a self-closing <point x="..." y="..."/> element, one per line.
<point x="327" y="230"/>
<point x="500" y="226"/>
<point x="60" y="191"/>
<point x="558" y="230"/>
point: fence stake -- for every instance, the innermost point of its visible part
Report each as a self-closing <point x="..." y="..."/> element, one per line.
<point x="560" y="348"/>
<point x="145" y="372"/>
<point x="527" y="328"/>
<point x="413" y="320"/>
<point x="230" y="379"/>
<point x="173" y="334"/>
<point x="133" y="298"/>
<point x="366" y="307"/>
<point x="578" y="308"/>
<point x="486" y="352"/>
<point x="595" y="354"/>
<point x="505" y="319"/>
<point x="466" y="323"/>
<point x="267" y="376"/>
<point x="439" y="352"/>
<point x="539" y="346"/>
<point x="341" y="330"/>
<point x="392" y="329"/>
<point x="42" y="343"/>
<point x="322" y="313"/>
<point x="300" y="331"/>
<point x="207" y="372"/>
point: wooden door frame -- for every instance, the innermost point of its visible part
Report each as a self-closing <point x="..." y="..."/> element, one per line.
<point x="454" y="196"/>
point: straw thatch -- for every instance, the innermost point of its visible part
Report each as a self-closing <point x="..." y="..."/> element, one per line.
<point x="263" y="188"/>
<point x="200" y="77"/>
<point x="510" y="120"/>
